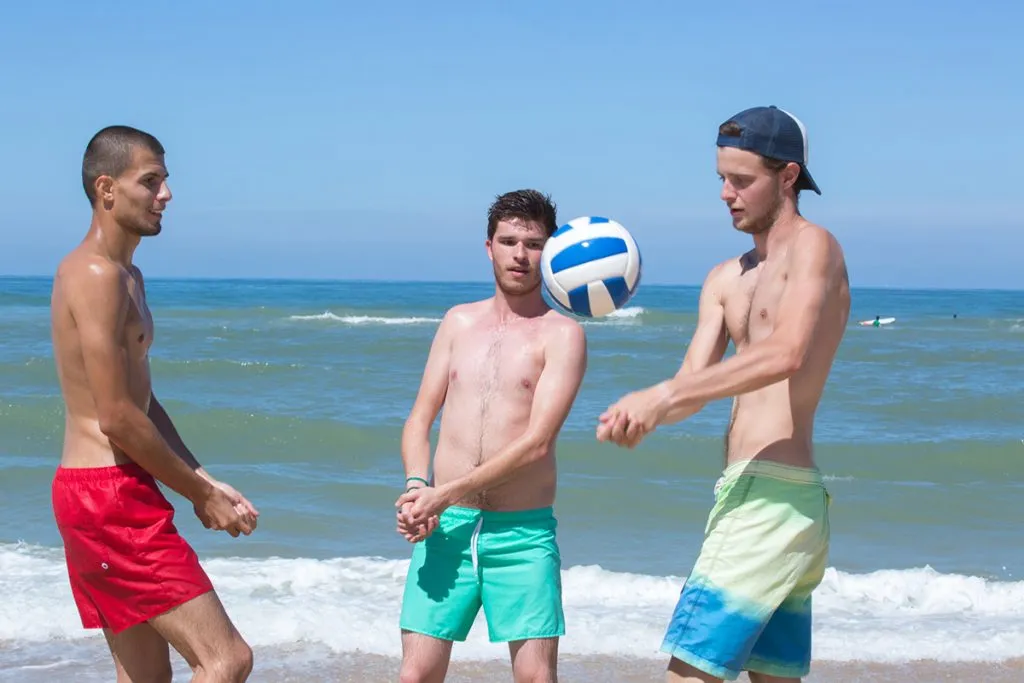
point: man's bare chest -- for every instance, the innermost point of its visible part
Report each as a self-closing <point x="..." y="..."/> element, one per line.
<point x="495" y="362"/>
<point x="752" y="304"/>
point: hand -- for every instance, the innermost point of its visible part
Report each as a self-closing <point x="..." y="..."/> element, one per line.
<point x="411" y="533"/>
<point x="242" y="505"/>
<point x="219" y="512"/>
<point x="424" y="502"/>
<point x="634" y="416"/>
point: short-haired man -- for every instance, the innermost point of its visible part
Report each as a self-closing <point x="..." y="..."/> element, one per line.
<point x="131" y="573"/>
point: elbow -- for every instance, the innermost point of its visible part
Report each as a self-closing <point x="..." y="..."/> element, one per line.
<point x="115" y="421"/>
<point x="539" y="448"/>
<point x="788" y="362"/>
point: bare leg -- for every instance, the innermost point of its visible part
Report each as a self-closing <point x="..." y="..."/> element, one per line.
<point x="681" y="672"/>
<point x="765" y="678"/>
<point x="202" y="633"/>
<point x="534" y="661"/>
<point x="140" y="655"/>
<point x="424" y="658"/>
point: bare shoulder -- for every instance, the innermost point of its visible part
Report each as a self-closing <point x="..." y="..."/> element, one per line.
<point x="818" y="249"/>
<point x="86" y="276"/>
<point x="564" y="331"/>
<point x="723" y="274"/>
<point x="462" y="316"/>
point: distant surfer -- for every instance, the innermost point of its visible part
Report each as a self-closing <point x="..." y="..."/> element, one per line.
<point x="746" y="604"/>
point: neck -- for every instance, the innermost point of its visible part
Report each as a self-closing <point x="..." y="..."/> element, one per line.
<point x="509" y="307"/>
<point x="112" y="240"/>
<point x="778" y="232"/>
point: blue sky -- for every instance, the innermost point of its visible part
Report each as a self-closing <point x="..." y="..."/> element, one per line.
<point x="338" y="140"/>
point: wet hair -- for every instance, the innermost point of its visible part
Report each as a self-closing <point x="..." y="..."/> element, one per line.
<point x="110" y="153"/>
<point x="526" y="205"/>
<point x="732" y="129"/>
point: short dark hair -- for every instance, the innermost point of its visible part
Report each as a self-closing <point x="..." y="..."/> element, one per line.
<point x="732" y="129"/>
<point x="110" y="153"/>
<point x="526" y="205"/>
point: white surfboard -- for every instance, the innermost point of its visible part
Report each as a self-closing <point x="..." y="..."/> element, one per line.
<point x="881" y="321"/>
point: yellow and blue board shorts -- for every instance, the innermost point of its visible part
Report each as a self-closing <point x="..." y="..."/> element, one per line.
<point x="747" y="603"/>
<point x="506" y="562"/>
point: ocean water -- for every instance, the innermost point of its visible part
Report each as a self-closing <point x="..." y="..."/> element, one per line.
<point x="295" y="393"/>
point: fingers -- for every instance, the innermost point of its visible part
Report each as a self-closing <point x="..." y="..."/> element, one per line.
<point x="410" y="496"/>
<point x="249" y="507"/>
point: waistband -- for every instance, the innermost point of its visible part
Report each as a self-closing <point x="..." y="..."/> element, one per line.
<point x="500" y="516"/>
<point x="128" y="470"/>
<point x="773" y="470"/>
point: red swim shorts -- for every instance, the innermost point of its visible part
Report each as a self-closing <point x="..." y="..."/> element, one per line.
<point x="126" y="561"/>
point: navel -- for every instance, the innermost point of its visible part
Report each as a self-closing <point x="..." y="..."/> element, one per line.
<point x="764" y="314"/>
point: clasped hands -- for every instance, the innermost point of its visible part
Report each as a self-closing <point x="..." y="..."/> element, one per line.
<point x="225" y="509"/>
<point x="634" y="416"/>
<point x="418" y="512"/>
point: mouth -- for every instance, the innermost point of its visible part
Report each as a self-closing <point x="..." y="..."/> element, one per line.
<point x="519" y="272"/>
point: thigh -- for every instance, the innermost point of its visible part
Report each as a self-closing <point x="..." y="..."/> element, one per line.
<point x="140" y="655"/>
<point x="424" y="658"/>
<point x="200" y="630"/>
<point x="442" y="593"/>
<point x="521" y="586"/>
<point x="534" y="660"/>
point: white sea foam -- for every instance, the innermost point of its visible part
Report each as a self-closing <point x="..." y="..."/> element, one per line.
<point x="627" y="315"/>
<point x="352" y="604"/>
<point x="366" y="319"/>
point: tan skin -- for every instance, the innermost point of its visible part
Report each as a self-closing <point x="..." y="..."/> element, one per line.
<point x="506" y="370"/>
<point x="102" y="331"/>
<point x="784" y="305"/>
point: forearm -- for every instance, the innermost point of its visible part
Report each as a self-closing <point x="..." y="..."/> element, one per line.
<point x="162" y="421"/>
<point x="416" y="450"/>
<point x="521" y="453"/>
<point x="757" y="367"/>
<point x="139" y="438"/>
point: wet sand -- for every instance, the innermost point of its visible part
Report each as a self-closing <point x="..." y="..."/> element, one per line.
<point x="371" y="669"/>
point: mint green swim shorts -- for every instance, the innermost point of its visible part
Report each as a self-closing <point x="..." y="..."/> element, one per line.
<point x="506" y="562"/>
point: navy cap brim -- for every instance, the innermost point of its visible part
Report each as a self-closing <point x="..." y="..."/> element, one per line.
<point x="805" y="182"/>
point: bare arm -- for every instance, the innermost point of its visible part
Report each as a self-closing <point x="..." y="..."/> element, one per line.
<point x="782" y="353"/>
<point x="99" y="302"/>
<point x="167" y="430"/>
<point x="429" y="400"/>
<point x="564" y="366"/>
<point x="709" y="342"/>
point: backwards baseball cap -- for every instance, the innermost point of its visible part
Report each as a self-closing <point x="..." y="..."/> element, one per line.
<point x="773" y="133"/>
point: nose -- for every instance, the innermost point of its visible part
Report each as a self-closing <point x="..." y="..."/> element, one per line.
<point x="728" y="192"/>
<point x="520" y="252"/>
<point x="164" y="195"/>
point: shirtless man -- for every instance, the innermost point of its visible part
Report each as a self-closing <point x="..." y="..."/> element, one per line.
<point x="131" y="574"/>
<point x="506" y="370"/>
<point x="784" y="304"/>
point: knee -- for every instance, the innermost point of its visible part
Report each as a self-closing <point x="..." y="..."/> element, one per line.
<point x="412" y="673"/>
<point x="233" y="665"/>
<point x="421" y="671"/>
<point x="536" y="672"/>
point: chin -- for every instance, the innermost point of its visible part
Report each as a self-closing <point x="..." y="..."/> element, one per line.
<point x="517" y="287"/>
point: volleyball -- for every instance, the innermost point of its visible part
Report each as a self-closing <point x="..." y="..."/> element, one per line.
<point x="591" y="266"/>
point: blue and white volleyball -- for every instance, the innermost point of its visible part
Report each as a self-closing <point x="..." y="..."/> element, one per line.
<point x="591" y="266"/>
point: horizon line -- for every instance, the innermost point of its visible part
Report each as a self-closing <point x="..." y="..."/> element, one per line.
<point x="300" y="279"/>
